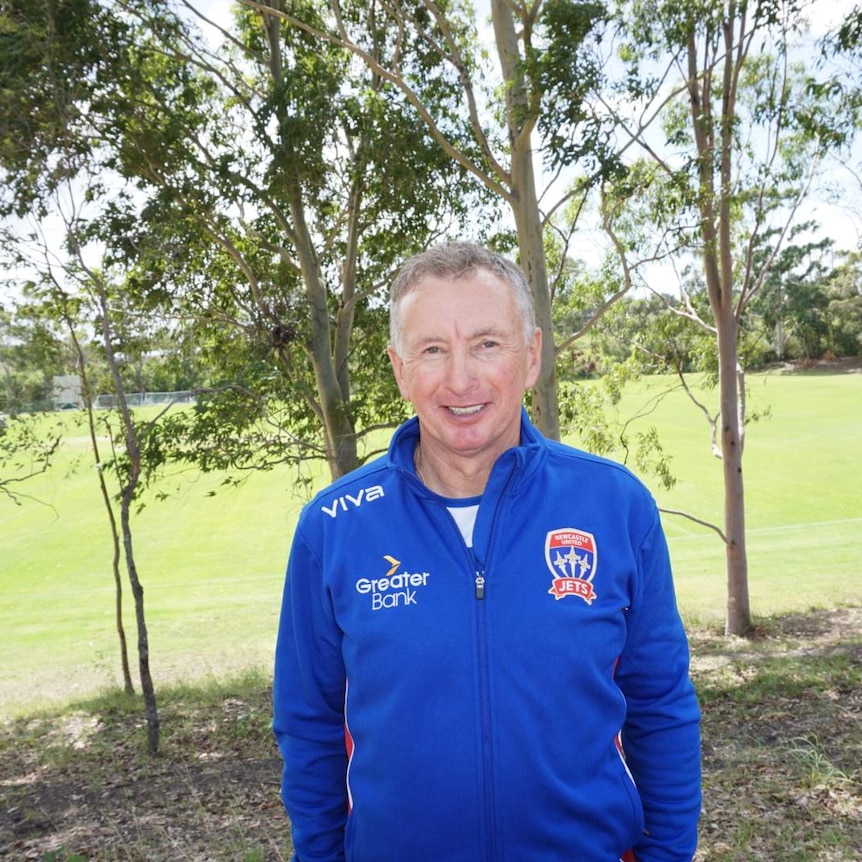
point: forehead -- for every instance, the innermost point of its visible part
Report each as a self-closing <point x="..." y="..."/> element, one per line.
<point x="479" y="292"/>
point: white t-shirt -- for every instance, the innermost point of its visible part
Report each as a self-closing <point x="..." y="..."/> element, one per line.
<point x="465" y="518"/>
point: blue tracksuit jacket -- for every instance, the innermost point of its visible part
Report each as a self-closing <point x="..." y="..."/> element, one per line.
<point x="526" y="699"/>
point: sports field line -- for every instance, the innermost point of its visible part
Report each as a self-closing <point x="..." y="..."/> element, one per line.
<point x="108" y="588"/>
<point x="21" y="511"/>
<point x="751" y="531"/>
<point x="783" y="527"/>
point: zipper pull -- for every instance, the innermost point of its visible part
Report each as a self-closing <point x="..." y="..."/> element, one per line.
<point x="480" y="585"/>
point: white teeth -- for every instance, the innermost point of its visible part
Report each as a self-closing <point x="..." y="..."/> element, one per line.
<point x="466" y="411"/>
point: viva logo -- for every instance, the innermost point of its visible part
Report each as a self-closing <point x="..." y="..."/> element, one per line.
<point x="346" y="502"/>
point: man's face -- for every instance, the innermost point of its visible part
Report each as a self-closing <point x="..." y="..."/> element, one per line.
<point x="464" y="365"/>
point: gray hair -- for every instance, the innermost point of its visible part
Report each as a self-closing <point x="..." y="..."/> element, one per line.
<point x="456" y="260"/>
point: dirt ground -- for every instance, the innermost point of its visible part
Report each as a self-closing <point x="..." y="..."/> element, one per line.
<point x="782" y="740"/>
<point x="844" y="365"/>
<point x="80" y="785"/>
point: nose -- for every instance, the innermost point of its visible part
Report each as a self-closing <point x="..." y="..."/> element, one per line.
<point x="461" y="371"/>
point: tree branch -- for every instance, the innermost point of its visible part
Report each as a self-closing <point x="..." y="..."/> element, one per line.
<point x="682" y="514"/>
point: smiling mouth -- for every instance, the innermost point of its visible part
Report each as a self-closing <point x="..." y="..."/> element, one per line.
<point x="466" y="411"/>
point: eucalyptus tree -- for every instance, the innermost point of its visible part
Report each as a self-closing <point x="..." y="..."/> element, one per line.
<point x="730" y="132"/>
<point x="284" y="181"/>
<point x="129" y="469"/>
<point x="60" y="313"/>
<point x="791" y="305"/>
<point x="498" y="125"/>
<point x="73" y="294"/>
<point x="26" y="450"/>
<point x="32" y="352"/>
<point x="49" y="58"/>
<point x="259" y="194"/>
<point x="844" y="311"/>
<point x="53" y="69"/>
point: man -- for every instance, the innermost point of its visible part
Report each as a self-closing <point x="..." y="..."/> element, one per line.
<point x="479" y="654"/>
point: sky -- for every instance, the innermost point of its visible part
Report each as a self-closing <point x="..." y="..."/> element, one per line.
<point x="842" y="219"/>
<point x="825" y="14"/>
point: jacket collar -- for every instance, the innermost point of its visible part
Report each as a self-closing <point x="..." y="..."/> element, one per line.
<point x="523" y="457"/>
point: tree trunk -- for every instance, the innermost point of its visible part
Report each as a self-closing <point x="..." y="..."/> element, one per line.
<point x="338" y="428"/>
<point x="713" y="135"/>
<point x="147" y="686"/>
<point x="128" y="486"/>
<point x="128" y="686"/>
<point x="545" y="410"/>
<point x="525" y="208"/>
<point x="332" y="405"/>
<point x="738" y="618"/>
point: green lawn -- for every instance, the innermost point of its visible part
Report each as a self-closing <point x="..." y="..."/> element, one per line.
<point x="803" y="486"/>
<point x="212" y="566"/>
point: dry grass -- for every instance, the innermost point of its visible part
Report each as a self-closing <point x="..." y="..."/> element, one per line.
<point x="782" y="756"/>
<point x="782" y="740"/>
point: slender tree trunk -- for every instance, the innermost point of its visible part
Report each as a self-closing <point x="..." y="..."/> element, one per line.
<point x="147" y="685"/>
<point x="713" y="135"/>
<point x="332" y="406"/>
<point x="128" y="686"/>
<point x="738" y="618"/>
<point x="129" y="485"/>
<point x="724" y="305"/>
<point x="525" y="208"/>
<point x="545" y="412"/>
<point x="339" y="430"/>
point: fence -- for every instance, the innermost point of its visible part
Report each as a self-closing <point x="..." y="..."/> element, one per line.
<point x="146" y="399"/>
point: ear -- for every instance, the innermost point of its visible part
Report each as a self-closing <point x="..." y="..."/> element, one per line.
<point x="534" y="358"/>
<point x="398" y="370"/>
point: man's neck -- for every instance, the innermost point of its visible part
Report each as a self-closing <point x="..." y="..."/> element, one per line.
<point x="453" y="477"/>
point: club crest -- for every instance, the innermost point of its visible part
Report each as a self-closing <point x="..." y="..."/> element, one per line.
<point x="572" y="558"/>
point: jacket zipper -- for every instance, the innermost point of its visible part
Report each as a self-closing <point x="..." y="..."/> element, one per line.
<point x="485" y="717"/>
<point x="480" y="584"/>
<point x="485" y="684"/>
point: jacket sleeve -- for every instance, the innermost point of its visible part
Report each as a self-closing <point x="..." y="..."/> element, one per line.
<point x="308" y="711"/>
<point x="661" y="735"/>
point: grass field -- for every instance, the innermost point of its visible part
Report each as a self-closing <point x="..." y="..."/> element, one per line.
<point x="803" y="492"/>
<point x="212" y="566"/>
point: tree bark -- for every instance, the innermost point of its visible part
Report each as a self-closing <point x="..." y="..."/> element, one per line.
<point x="738" y="613"/>
<point x="528" y="218"/>
<point x="333" y="390"/>
<point x="338" y="428"/>
<point x="128" y="487"/>
<point x="147" y="685"/>
<point x="128" y="686"/>
<point x="713" y="136"/>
